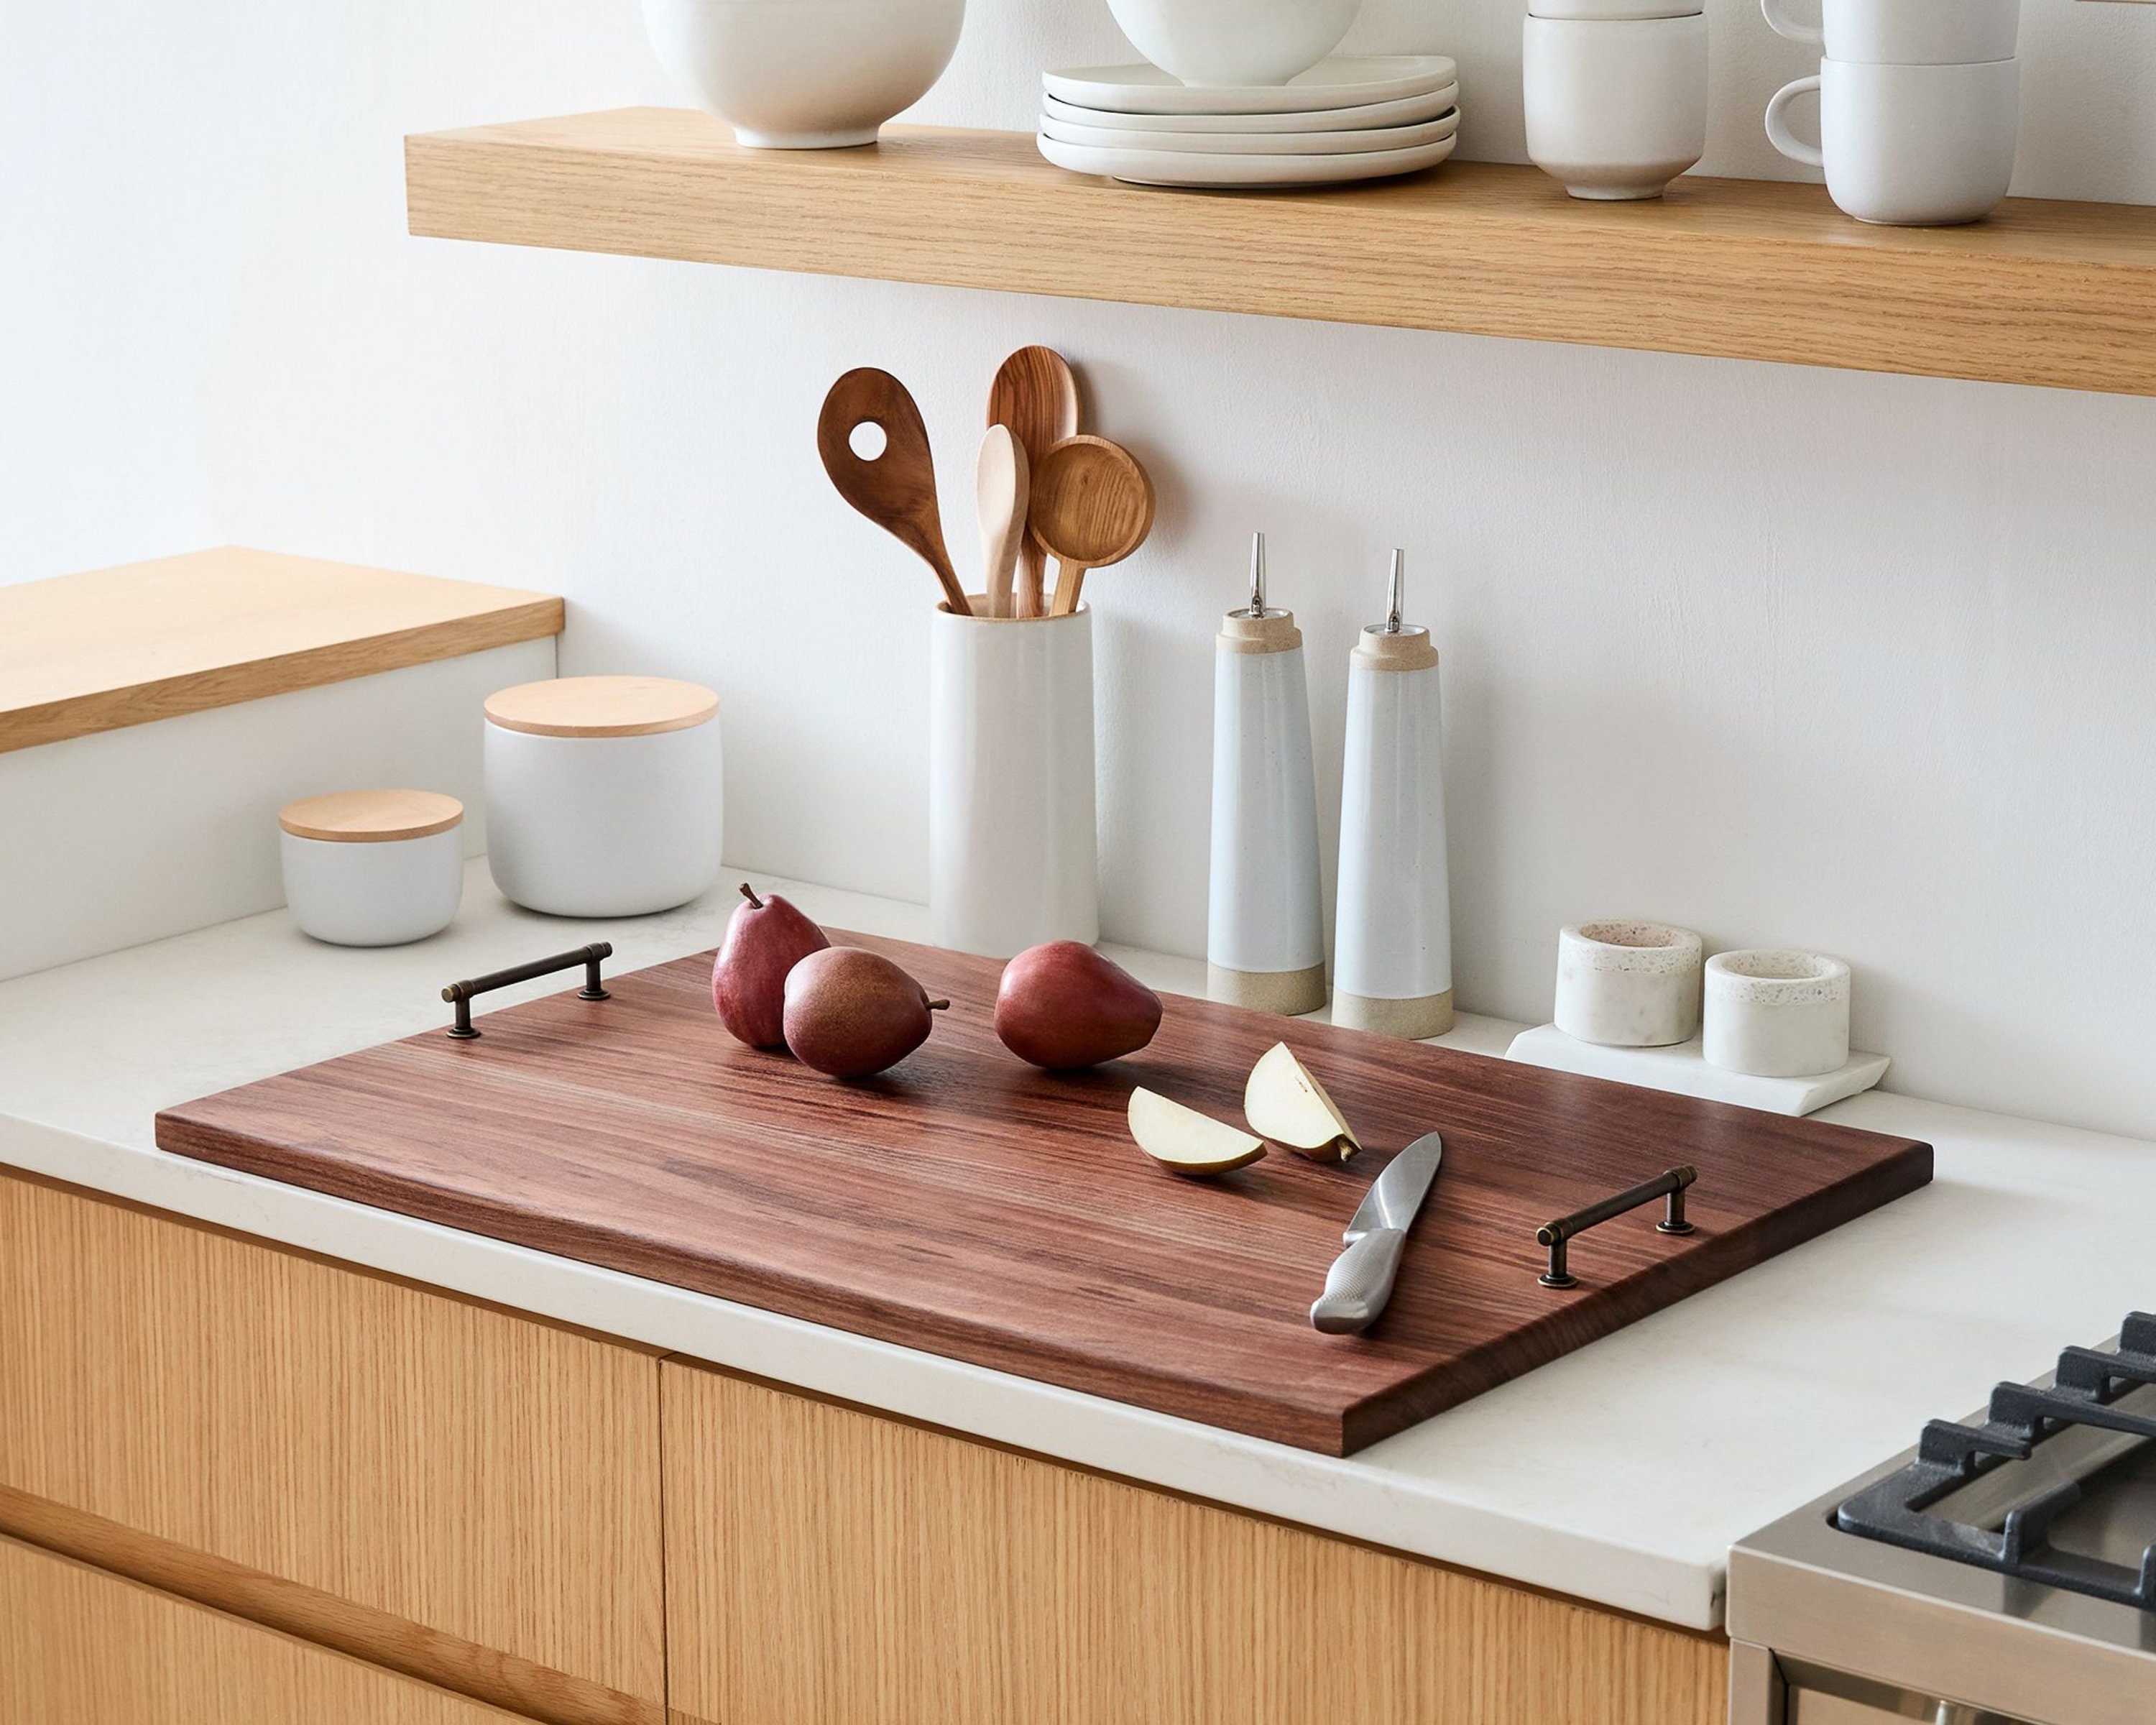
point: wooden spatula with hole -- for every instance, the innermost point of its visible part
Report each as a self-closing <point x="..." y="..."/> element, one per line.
<point x="897" y="489"/>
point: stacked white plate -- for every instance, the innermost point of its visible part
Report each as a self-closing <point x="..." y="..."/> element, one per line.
<point x="1352" y="117"/>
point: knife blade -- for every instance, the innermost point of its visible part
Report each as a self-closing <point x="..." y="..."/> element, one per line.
<point x="1360" y="1281"/>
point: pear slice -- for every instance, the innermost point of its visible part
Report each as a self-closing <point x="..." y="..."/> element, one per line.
<point x="1284" y="1103"/>
<point x="1186" y="1141"/>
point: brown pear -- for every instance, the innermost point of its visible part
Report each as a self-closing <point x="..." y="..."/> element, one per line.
<point x="766" y="938"/>
<point x="850" y="1012"/>
<point x="1061" y="1005"/>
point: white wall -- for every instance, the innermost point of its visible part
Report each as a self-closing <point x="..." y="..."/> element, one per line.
<point x="1792" y="656"/>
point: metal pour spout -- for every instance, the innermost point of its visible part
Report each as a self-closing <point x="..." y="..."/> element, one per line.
<point x="1392" y="598"/>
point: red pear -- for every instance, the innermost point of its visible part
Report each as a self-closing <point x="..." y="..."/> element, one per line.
<point x="766" y="939"/>
<point x="850" y="1012"/>
<point x="1062" y="1005"/>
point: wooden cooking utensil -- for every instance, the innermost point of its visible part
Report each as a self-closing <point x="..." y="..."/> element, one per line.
<point x="897" y="490"/>
<point x="1003" y="482"/>
<point x="1092" y="506"/>
<point x="1035" y="394"/>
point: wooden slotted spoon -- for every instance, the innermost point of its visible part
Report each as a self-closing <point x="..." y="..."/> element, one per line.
<point x="896" y="490"/>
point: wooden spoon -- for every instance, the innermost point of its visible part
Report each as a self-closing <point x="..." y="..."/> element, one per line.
<point x="1092" y="506"/>
<point x="897" y="490"/>
<point x="1035" y="394"/>
<point x="1003" y="483"/>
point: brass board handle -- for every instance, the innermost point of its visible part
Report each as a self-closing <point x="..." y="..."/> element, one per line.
<point x="1555" y="1235"/>
<point x="460" y="995"/>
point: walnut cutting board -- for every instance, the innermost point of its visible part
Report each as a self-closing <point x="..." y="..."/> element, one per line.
<point x="968" y="1205"/>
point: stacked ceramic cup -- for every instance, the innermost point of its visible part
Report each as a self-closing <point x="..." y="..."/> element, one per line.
<point x="1919" y="106"/>
<point x="1615" y="93"/>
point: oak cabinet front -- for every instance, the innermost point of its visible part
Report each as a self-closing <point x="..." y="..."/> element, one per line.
<point x="80" y="1647"/>
<point x="467" y="1495"/>
<point x="827" y="1565"/>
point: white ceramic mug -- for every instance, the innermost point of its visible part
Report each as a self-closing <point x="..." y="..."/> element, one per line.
<point x="1615" y="108"/>
<point x="1909" y="145"/>
<point x="1011" y="856"/>
<point x="1907" y="32"/>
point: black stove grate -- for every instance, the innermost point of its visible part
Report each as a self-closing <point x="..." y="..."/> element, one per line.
<point x="2021" y="1417"/>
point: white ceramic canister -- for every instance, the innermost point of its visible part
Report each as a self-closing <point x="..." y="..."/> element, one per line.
<point x="373" y="868"/>
<point x="1629" y="984"/>
<point x="1391" y="948"/>
<point x="1265" y="940"/>
<point x="1013" y="857"/>
<point x="1615" y="105"/>
<point x="1777" y="1014"/>
<point x="604" y="795"/>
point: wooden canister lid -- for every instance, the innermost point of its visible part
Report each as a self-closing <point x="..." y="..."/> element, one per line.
<point x="1407" y="647"/>
<point x="602" y="706"/>
<point x="370" y="817"/>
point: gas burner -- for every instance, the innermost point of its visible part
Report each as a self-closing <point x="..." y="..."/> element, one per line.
<point x="2089" y="1395"/>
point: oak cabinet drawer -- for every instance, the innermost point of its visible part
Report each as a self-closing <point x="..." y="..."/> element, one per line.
<point x="80" y="1647"/>
<point x="481" y="1489"/>
<point x="827" y="1565"/>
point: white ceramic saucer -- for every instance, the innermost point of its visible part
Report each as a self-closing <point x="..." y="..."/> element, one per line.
<point x="1182" y="167"/>
<point x="1343" y="81"/>
<point x="1363" y="117"/>
<point x="1230" y="143"/>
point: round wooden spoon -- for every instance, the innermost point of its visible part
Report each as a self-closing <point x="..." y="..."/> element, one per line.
<point x="897" y="489"/>
<point x="1035" y="394"/>
<point x="1092" y="506"/>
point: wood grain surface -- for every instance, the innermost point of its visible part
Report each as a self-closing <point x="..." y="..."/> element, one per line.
<point x="969" y="1205"/>
<point x="2050" y="293"/>
<point x="437" y="1464"/>
<point x="824" y="1564"/>
<point x="396" y="1643"/>
<point x="80" y="1647"/>
<point x="111" y="648"/>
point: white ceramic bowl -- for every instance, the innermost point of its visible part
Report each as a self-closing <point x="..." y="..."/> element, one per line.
<point x="1215" y="43"/>
<point x="373" y="868"/>
<point x="1615" y="108"/>
<point x="805" y="74"/>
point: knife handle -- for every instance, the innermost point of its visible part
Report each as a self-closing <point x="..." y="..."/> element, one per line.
<point x="1359" y="1283"/>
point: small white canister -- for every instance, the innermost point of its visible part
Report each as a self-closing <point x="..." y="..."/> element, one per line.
<point x="1013" y="857"/>
<point x="604" y="795"/>
<point x="1629" y="984"/>
<point x="373" y="868"/>
<point x="1777" y="1014"/>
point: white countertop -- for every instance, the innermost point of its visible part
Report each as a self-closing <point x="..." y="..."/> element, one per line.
<point x="1620" y="1474"/>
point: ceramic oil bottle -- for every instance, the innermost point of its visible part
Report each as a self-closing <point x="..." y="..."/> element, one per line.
<point x="1392" y="962"/>
<point x="1264" y="944"/>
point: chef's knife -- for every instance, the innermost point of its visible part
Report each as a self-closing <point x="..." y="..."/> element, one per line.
<point x="1360" y="1282"/>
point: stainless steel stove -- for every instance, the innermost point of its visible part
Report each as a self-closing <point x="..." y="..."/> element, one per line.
<point x="2002" y="1573"/>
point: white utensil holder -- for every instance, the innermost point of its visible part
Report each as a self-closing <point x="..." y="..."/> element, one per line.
<point x="1013" y="860"/>
<point x="1777" y="1014"/>
<point x="1629" y="984"/>
<point x="1265" y="940"/>
<point x="1392" y="955"/>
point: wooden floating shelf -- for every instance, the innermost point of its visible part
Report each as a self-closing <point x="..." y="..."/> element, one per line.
<point x="111" y="648"/>
<point x="2045" y="293"/>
